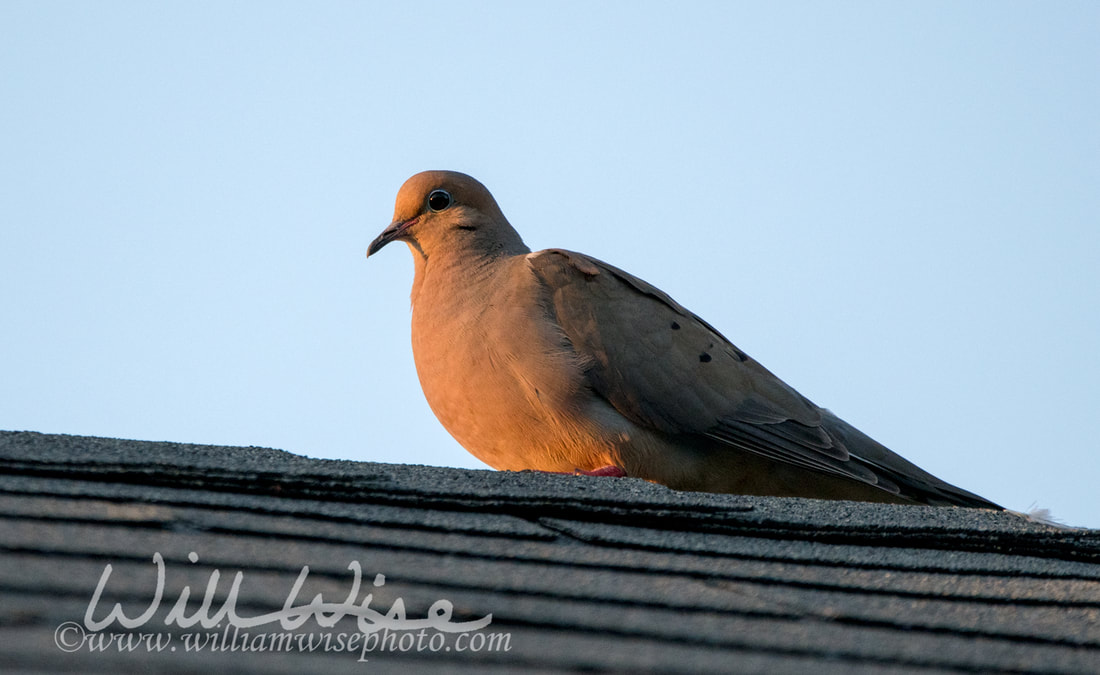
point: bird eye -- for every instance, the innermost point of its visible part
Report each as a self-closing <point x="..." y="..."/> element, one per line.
<point x="439" y="200"/>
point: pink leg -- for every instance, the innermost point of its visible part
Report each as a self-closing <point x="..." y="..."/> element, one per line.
<point x="610" y="471"/>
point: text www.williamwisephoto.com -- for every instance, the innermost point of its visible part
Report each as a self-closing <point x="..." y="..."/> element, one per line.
<point x="216" y="625"/>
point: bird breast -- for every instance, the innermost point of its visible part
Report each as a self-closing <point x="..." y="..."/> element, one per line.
<point x="498" y="375"/>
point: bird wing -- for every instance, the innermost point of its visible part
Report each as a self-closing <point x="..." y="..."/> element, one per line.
<point x="664" y="368"/>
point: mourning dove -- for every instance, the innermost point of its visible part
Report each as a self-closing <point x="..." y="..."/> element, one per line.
<point x="556" y="361"/>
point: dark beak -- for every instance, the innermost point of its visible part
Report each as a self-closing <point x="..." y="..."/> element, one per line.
<point x="396" y="230"/>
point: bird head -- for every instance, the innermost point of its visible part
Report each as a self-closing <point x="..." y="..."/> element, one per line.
<point x="447" y="211"/>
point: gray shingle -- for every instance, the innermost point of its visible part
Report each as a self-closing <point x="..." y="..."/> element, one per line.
<point x="581" y="573"/>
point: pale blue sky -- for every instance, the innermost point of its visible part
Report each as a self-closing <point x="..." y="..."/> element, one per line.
<point x="893" y="206"/>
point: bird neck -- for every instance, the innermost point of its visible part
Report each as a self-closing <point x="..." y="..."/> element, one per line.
<point x="457" y="273"/>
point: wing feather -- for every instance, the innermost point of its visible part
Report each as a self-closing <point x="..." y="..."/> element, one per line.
<point x="666" y="369"/>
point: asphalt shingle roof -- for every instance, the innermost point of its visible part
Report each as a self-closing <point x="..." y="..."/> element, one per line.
<point x="578" y="573"/>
